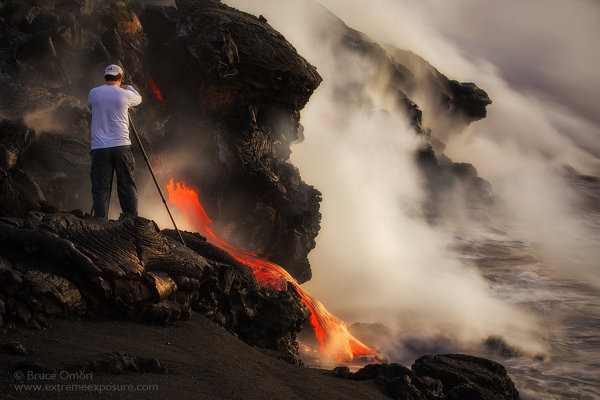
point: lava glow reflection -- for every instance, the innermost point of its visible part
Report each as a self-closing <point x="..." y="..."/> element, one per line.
<point x="332" y="333"/>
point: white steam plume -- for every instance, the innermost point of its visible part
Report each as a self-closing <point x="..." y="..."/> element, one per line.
<point x="376" y="259"/>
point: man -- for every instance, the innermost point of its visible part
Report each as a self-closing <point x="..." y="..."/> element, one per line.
<point x="111" y="147"/>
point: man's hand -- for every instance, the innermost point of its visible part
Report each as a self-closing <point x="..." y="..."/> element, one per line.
<point x="125" y="87"/>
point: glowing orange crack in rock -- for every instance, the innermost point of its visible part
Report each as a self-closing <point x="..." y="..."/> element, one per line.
<point x="332" y="333"/>
<point x="155" y="88"/>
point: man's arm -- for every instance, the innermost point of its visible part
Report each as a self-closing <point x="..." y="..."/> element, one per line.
<point x="134" y="97"/>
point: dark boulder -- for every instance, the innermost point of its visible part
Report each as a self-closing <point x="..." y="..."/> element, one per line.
<point x="398" y="382"/>
<point x="56" y="295"/>
<point x="441" y="377"/>
<point x="342" y="372"/>
<point x="467" y="377"/>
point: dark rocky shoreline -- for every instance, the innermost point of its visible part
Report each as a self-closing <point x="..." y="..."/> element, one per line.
<point x="231" y="93"/>
<point x="56" y="266"/>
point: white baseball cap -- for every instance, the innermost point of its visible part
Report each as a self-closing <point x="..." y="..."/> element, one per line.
<point x="114" y="70"/>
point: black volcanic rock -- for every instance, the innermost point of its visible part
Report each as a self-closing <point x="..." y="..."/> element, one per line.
<point x="244" y="85"/>
<point x="467" y="377"/>
<point x="68" y="265"/>
<point x="18" y="192"/>
<point x="232" y="88"/>
<point x="53" y="54"/>
<point x="444" y="176"/>
<point x="442" y="377"/>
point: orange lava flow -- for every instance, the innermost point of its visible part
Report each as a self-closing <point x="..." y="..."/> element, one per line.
<point x="332" y="333"/>
<point x="155" y="88"/>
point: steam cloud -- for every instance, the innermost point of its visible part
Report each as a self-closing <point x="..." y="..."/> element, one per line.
<point x="376" y="259"/>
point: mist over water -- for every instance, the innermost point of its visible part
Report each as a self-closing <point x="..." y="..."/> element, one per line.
<point x="536" y="256"/>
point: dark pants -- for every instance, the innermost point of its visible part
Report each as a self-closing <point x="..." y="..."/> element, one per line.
<point x="104" y="162"/>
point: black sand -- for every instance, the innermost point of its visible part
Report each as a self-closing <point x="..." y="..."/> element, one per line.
<point x="204" y="362"/>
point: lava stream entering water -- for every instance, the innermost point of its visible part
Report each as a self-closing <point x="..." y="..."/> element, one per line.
<point x="332" y="333"/>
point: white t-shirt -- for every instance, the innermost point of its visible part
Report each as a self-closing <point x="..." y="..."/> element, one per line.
<point x="110" y="120"/>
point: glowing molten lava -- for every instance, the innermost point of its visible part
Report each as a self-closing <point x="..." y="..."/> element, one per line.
<point x="332" y="333"/>
<point x="155" y="88"/>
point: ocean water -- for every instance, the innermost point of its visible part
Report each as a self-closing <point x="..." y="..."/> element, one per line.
<point x="569" y="309"/>
<point x="568" y="306"/>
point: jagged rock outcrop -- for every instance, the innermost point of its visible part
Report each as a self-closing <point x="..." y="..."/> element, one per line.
<point x="69" y="265"/>
<point x="248" y="84"/>
<point x="440" y="377"/>
<point x="402" y="76"/>
<point x="406" y="75"/>
<point x="232" y="88"/>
